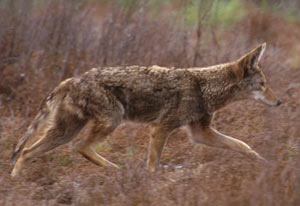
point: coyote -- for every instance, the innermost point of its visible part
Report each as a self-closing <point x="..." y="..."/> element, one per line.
<point x="166" y="98"/>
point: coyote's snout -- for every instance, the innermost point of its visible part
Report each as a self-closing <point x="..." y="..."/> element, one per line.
<point x="267" y="96"/>
<point x="166" y="98"/>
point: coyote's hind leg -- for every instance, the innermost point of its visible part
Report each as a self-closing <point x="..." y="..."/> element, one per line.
<point x="98" y="133"/>
<point x="106" y="113"/>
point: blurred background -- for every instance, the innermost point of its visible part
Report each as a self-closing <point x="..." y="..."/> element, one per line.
<point x="44" y="42"/>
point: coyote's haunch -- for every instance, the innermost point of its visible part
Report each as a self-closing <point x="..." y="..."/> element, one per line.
<point x="166" y="98"/>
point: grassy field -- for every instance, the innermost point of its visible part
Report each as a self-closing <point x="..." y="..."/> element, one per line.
<point x="45" y="42"/>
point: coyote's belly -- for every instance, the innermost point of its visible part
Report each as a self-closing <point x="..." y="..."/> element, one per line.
<point x="145" y="106"/>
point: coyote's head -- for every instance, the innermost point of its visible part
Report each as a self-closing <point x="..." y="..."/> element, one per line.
<point x="252" y="81"/>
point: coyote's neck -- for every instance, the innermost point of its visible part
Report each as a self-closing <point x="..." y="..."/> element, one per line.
<point x="217" y="85"/>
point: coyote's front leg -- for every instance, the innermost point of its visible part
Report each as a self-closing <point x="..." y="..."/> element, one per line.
<point x="211" y="137"/>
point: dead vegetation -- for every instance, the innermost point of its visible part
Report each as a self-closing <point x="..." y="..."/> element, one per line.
<point x="40" y="45"/>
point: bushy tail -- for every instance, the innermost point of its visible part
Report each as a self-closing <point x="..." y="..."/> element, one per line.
<point x="23" y="140"/>
<point x="18" y="148"/>
<point x="47" y="111"/>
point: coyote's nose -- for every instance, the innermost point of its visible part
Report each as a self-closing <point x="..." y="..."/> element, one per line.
<point x="279" y="102"/>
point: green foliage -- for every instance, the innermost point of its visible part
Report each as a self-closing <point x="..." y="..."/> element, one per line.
<point x="295" y="59"/>
<point x="126" y="3"/>
<point x="226" y="13"/>
<point x="291" y="153"/>
<point x="194" y="10"/>
<point x="292" y="13"/>
<point x="130" y="152"/>
<point x="103" y="146"/>
<point x="63" y="160"/>
<point x="220" y="12"/>
<point x="288" y="10"/>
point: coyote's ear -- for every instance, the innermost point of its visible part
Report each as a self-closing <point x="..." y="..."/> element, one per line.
<point x="238" y="72"/>
<point x="252" y="59"/>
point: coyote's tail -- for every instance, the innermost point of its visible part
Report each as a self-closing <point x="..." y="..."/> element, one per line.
<point x="46" y="112"/>
<point x="33" y="127"/>
<point x="18" y="148"/>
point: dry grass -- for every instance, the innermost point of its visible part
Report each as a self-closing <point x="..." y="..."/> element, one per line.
<point x="44" y="44"/>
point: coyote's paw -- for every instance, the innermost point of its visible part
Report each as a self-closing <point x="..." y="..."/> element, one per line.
<point x="14" y="173"/>
<point x="255" y="156"/>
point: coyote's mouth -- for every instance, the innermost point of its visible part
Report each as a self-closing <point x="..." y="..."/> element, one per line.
<point x="259" y="96"/>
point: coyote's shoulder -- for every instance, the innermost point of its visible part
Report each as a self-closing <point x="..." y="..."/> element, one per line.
<point x="167" y="98"/>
